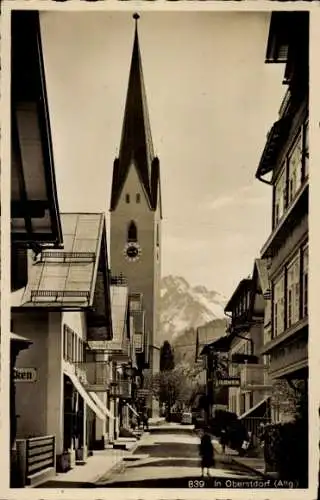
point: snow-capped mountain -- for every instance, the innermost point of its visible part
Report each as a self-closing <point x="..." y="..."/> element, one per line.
<point x="183" y="306"/>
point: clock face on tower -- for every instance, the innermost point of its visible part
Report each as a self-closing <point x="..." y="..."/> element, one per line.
<point x="132" y="251"/>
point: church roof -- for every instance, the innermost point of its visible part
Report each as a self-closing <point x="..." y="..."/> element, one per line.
<point x="136" y="140"/>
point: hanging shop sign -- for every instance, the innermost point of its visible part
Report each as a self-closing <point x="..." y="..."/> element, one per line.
<point x="228" y="382"/>
<point x="25" y="374"/>
<point x="143" y="393"/>
<point x="98" y="345"/>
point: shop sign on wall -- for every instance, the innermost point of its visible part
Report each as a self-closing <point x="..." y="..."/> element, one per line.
<point x="25" y="374"/>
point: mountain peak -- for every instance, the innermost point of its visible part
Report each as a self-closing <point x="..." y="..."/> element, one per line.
<point x="183" y="306"/>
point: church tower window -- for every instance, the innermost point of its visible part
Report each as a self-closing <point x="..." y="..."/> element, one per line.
<point x="132" y="232"/>
<point x="158" y="237"/>
<point x="138" y="198"/>
<point x="127" y="198"/>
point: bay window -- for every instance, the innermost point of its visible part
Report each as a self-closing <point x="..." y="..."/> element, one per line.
<point x="293" y="172"/>
<point x="295" y="168"/>
<point x="293" y="291"/>
<point x="305" y="258"/>
<point x="280" y="196"/>
<point x="290" y="293"/>
<point x="278" y="306"/>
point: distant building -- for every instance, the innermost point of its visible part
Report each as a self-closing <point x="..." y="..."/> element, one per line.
<point x="284" y="165"/>
<point x="205" y="334"/>
<point x="251" y="400"/>
<point x="135" y="209"/>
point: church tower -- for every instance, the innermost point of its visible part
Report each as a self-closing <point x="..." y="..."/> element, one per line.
<point x="135" y="210"/>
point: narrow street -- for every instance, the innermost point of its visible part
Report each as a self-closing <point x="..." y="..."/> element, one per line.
<point x="168" y="458"/>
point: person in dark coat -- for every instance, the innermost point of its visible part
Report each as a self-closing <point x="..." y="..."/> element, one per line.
<point x="206" y="452"/>
<point x="145" y="420"/>
<point x="223" y="440"/>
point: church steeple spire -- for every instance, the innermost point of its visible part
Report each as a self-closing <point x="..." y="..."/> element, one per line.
<point x="136" y="141"/>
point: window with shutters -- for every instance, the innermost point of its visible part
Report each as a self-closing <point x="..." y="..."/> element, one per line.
<point x="295" y="168"/>
<point x="305" y="258"/>
<point x="293" y="291"/>
<point x="280" y="196"/>
<point x="278" y="307"/>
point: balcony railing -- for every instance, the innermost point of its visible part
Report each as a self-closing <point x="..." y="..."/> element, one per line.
<point x="121" y="352"/>
<point x="135" y="300"/>
<point x="121" y="389"/>
<point x="54" y="256"/>
<point x="239" y="322"/>
<point x="254" y="377"/>
<point x="58" y="295"/>
<point x="138" y="342"/>
<point x="295" y="353"/>
<point x="94" y="375"/>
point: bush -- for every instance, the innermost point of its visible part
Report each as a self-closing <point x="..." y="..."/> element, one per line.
<point x="286" y="450"/>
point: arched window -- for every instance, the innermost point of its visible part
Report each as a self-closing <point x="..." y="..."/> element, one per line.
<point x="132" y="232"/>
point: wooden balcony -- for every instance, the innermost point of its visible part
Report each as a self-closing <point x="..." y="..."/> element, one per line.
<point x="121" y="354"/>
<point x="239" y="323"/>
<point x="254" y="377"/>
<point x="289" y="358"/>
<point x="94" y="375"/>
<point x="121" y="389"/>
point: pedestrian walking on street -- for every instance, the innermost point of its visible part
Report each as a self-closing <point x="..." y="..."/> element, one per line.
<point x="206" y="452"/>
<point x="139" y="420"/>
<point x="145" y="420"/>
<point x="223" y="440"/>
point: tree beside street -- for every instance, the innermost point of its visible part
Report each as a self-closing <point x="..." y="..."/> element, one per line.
<point x="175" y="387"/>
<point x="166" y="357"/>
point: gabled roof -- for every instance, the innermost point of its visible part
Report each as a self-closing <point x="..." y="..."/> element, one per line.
<point x="261" y="271"/>
<point x="136" y="145"/>
<point x="209" y="333"/>
<point x="67" y="278"/>
<point x="260" y="276"/>
<point x="222" y="344"/>
<point x="275" y="139"/>
<point x="245" y="283"/>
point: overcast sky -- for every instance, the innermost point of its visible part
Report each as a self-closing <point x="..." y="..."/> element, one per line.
<point x="211" y="99"/>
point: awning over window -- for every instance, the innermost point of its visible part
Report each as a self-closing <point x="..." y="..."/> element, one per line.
<point x="133" y="410"/>
<point x="101" y="405"/>
<point x="85" y="395"/>
<point x="19" y="338"/>
<point x="254" y="408"/>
